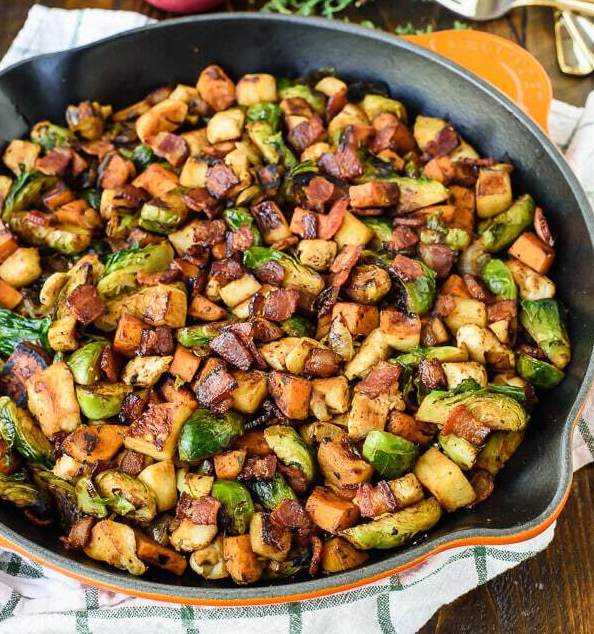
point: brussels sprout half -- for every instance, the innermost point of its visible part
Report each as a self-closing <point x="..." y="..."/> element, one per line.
<point x="205" y="434"/>
<point x="237" y="504"/>
<point x="544" y="322"/>
<point x="540" y="373"/>
<point x="390" y="455"/>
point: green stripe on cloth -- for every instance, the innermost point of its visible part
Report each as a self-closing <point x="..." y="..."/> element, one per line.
<point x="586" y="435"/>
<point x="383" y="614"/>
<point x="480" y="562"/>
<point x="295" y="621"/>
<point x="9" y="607"/>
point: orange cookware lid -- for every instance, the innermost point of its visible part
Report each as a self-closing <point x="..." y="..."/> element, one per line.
<point x="499" y="61"/>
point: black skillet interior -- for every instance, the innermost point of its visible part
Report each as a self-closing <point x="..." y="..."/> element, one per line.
<point x="123" y="69"/>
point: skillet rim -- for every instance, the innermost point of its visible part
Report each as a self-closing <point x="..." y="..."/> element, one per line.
<point x="414" y="554"/>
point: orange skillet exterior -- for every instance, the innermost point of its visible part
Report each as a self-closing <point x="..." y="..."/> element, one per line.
<point x="519" y="75"/>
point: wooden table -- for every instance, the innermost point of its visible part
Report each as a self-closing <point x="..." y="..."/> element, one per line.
<point x="553" y="592"/>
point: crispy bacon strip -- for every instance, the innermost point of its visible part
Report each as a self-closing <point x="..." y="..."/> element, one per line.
<point x="85" y="303"/>
<point x="379" y="381"/>
<point x="462" y="423"/>
<point x="374" y="501"/>
<point x="201" y="511"/>
<point x="344" y="263"/>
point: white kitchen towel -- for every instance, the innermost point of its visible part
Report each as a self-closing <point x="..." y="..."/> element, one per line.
<point x="36" y="599"/>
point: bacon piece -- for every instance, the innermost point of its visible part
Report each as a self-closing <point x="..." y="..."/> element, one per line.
<point x="220" y="180"/>
<point x="214" y="386"/>
<point x="408" y="427"/>
<point x="208" y="232"/>
<point x="225" y="271"/>
<point x="431" y="375"/>
<point x="58" y="196"/>
<point x="245" y="332"/>
<point x="445" y="142"/>
<point x="330" y="223"/>
<point x="200" y="200"/>
<point x="478" y="289"/>
<point x="317" y="549"/>
<point x="79" y="534"/>
<point x="231" y="347"/>
<point x="533" y="351"/>
<point x="483" y="485"/>
<point x="98" y="148"/>
<point x="438" y="257"/>
<point x="156" y="342"/>
<point x="114" y="171"/>
<point x="403" y="238"/>
<point x="131" y="197"/>
<point x="238" y="241"/>
<point x="304" y="223"/>
<point x="318" y="192"/>
<point x="289" y="514"/>
<point x="264" y="330"/>
<point x="462" y="423"/>
<point x="110" y="363"/>
<point x="26" y="360"/>
<point x="344" y="262"/>
<point x="322" y="363"/>
<point x="85" y="303"/>
<point x="280" y="305"/>
<point x="343" y="164"/>
<point x="373" y="194"/>
<point x="202" y="511"/>
<point x="379" y="381"/>
<point x="55" y="162"/>
<point x="504" y="309"/>
<point x="444" y="305"/>
<point x="407" y="269"/>
<point x="172" y="147"/>
<point x="163" y="277"/>
<point x="411" y="220"/>
<point x="269" y="177"/>
<point x="268" y="216"/>
<point x="395" y="137"/>
<point x="306" y="133"/>
<point x="374" y="501"/>
<point x="542" y="229"/>
<point x="295" y="477"/>
<point x="259" y="468"/>
<point x="133" y="407"/>
<point x="285" y="243"/>
<point x="132" y="462"/>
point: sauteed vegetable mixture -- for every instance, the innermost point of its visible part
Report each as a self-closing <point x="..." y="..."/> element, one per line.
<point x="263" y="327"/>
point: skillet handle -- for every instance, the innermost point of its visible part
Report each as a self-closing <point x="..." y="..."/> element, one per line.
<point x="499" y="61"/>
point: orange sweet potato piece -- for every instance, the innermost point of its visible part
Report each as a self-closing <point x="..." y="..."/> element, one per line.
<point x="203" y="309"/>
<point x="330" y="512"/>
<point x="153" y="553"/>
<point x="128" y="335"/>
<point x="533" y="252"/>
<point x="9" y="296"/>
<point x="228" y="465"/>
<point x="184" y="364"/>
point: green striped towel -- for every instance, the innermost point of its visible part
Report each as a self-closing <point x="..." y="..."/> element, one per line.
<point x="36" y="599"/>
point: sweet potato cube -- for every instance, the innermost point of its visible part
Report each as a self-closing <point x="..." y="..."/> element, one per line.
<point x="203" y="309"/>
<point x="291" y="394"/>
<point x="8" y="244"/>
<point x="241" y="561"/>
<point x="92" y="443"/>
<point x="128" y="335"/>
<point x="455" y="285"/>
<point x="228" y="465"/>
<point x="359" y="318"/>
<point x="185" y="364"/>
<point x="533" y="252"/>
<point x="9" y="296"/>
<point x="329" y="512"/>
<point x="373" y="194"/>
<point x="153" y="553"/>
<point x="155" y="432"/>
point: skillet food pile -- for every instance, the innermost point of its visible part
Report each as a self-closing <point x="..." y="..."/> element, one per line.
<point x="264" y="327"/>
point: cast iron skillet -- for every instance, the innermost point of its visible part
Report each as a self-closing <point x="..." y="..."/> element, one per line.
<point x="531" y="490"/>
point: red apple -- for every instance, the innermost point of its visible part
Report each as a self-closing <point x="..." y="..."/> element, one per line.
<point x="184" y="6"/>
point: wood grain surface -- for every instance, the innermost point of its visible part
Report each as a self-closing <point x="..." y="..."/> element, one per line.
<point x="552" y="593"/>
